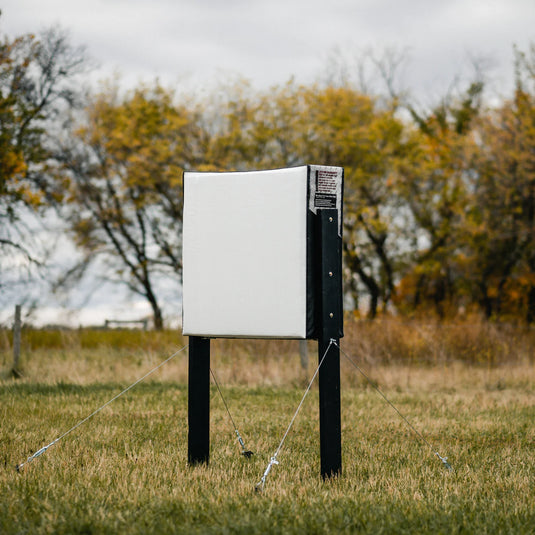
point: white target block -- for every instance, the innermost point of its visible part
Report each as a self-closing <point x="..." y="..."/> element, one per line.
<point x="245" y="254"/>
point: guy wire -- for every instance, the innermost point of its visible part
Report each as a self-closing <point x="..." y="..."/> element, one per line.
<point x="378" y="390"/>
<point x="245" y="452"/>
<point x="223" y="398"/>
<point x="259" y="487"/>
<point x="43" y="449"/>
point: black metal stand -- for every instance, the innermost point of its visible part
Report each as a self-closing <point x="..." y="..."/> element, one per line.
<point x="330" y="328"/>
<point x="199" y="400"/>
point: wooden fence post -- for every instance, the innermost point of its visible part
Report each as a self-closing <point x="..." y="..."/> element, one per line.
<point x="303" y="354"/>
<point x="16" y="342"/>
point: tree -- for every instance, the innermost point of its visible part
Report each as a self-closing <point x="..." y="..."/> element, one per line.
<point x="38" y="81"/>
<point x="124" y="180"/>
<point x="295" y="125"/>
<point x="435" y="183"/>
<point x="504" y="201"/>
<point x="349" y="129"/>
<point x="244" y="130"/>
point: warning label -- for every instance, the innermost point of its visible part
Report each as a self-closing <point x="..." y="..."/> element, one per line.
<point x="326" y="188"/>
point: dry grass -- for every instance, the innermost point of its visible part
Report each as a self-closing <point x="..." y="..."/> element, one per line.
<point x="393" y="352"/>
<point x="125" y="470"/>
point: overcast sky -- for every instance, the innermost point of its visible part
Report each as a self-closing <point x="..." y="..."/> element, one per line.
<point x="200" y="42"/>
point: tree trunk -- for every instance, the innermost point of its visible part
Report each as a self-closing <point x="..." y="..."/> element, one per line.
<point x="156" y="310"/>
<point x="158" y="319"/>
<point x="417" y="297"/>
<point x="485" y="301"/>
<point x="530" y="313"/>
<point x="355" y="265"/>
<point x="374" y="301"/>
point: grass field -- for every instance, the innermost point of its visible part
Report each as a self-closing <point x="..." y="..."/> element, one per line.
<point x="125" y="470"/>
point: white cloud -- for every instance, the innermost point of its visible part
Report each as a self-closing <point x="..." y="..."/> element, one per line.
<point x="268" y="42"/>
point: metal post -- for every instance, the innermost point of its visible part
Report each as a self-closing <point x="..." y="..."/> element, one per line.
<point x="199" y="400"/>
<point x="330" y="328"/>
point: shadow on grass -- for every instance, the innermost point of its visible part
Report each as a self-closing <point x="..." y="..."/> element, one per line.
<point x="61" y="388"/>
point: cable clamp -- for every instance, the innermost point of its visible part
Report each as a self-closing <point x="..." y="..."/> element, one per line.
<point x="259" y="487"/>
<point x="240" y="439"/>
<point x="36" y="454"/>
<point x="444" y="461"/>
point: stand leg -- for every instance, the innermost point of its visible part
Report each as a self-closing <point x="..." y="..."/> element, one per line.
<point x="330" y="420"/>
<point x="199" y="400"/>
<point x="330" y="329"/>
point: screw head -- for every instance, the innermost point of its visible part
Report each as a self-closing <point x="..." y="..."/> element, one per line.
<point x="330" y="219"/>
<point x="331" y="315"/>
<point x="330" y="273"/>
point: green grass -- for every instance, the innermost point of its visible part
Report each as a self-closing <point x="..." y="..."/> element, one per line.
<point x="125" y="470"/>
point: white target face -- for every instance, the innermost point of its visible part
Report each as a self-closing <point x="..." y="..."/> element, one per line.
<point x="245" y="254"/>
